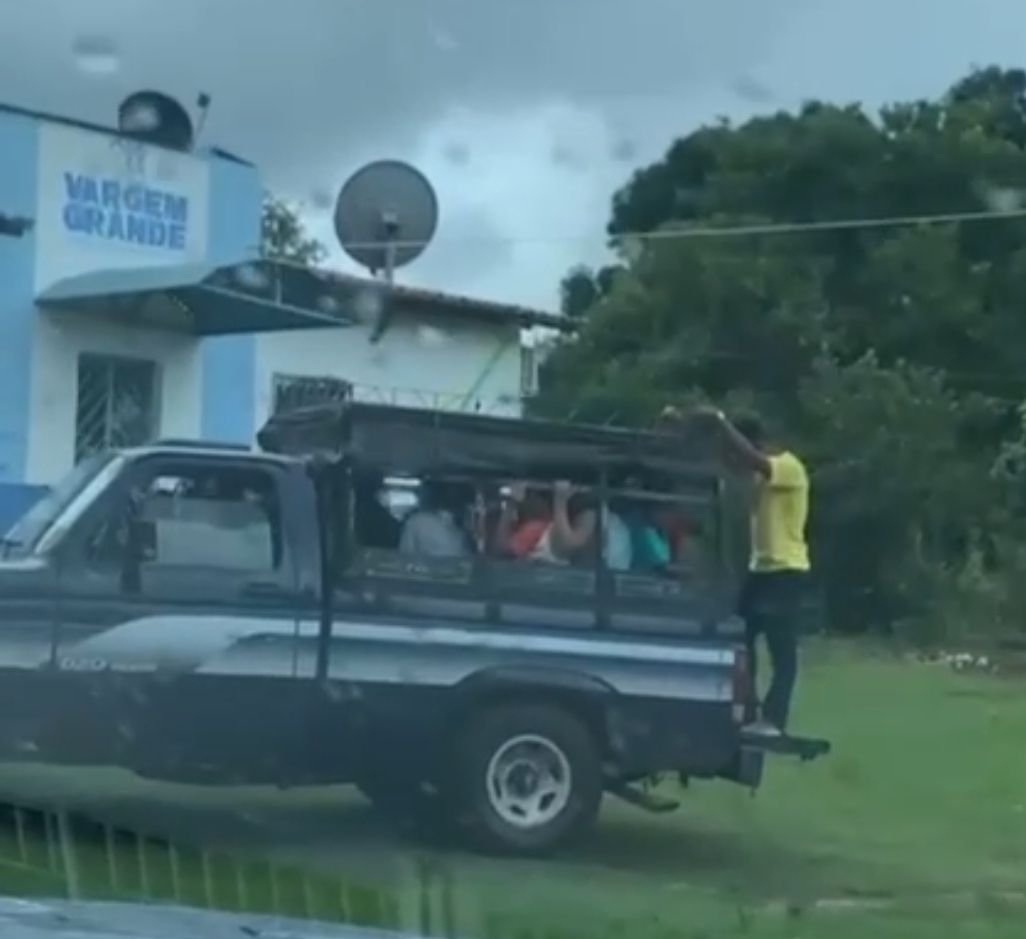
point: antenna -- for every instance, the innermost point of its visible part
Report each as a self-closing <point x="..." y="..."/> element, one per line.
<point x="385" y="215"/>
<point x="203" y="107"/>
<point x="155" y="117"/>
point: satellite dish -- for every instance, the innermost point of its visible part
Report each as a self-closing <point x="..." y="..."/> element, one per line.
<point x="385" y="215"/>
<point x="156" y="118"/>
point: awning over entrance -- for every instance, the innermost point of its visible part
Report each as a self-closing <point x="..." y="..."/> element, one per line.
<point x="258" y="296"/>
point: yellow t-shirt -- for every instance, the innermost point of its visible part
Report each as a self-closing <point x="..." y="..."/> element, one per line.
<point x="779" y="517"/>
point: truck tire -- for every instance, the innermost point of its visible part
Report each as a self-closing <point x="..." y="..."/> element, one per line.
<point x="529" y="779"/>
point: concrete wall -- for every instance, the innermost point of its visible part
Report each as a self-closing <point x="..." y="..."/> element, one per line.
<point x="229" y="362"/>
<point x="444" y="363"/>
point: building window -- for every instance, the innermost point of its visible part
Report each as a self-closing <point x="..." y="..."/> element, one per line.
<point x="117" y="403"/>
<point x="301" y="391"/>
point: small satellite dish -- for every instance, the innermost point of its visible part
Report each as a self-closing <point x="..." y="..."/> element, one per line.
<point x="385" y="215"/>
<point x="156" y="118"/>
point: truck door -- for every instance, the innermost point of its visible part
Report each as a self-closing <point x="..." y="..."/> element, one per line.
<point x="179" y="603"/>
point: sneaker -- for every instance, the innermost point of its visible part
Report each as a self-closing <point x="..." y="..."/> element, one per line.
<point x="763" y="729"/>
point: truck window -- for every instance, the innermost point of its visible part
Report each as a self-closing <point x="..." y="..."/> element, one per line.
<point x="196" y="516"/>
<point x="35" y="523"/>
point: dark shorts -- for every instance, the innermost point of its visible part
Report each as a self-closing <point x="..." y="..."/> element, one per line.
<point x="775" y="597"/>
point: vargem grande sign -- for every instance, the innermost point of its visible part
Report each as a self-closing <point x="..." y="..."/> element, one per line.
<point x="122" y="211"/>
<point x="108" y="203"/>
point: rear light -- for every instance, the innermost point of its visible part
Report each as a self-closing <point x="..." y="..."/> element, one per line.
<point x="741" y="690"/>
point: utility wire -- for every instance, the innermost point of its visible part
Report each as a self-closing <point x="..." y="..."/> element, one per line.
<point x="727" y="231"/>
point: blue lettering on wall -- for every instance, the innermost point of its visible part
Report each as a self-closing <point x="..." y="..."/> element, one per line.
<point x="111" y="210"/>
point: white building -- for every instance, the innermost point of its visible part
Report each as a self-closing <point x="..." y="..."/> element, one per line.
<point x="136" y="307"/>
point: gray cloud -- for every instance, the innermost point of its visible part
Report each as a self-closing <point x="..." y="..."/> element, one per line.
<point x="526" y="113"/>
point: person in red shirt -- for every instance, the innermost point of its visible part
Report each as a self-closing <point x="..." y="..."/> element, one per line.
<point x="524" y="523"/>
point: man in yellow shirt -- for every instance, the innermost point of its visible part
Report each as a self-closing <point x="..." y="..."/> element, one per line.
<point x="774" y="592"/>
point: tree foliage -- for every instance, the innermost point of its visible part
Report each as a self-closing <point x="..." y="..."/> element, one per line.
<point x="284" y="236"/>
<point x="892" y="353"/>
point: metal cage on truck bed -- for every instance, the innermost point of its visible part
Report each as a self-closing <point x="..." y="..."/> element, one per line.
<point x="347" y="439"/>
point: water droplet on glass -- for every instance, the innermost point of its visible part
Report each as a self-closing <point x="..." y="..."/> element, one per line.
<point x="327" y="304"/>
<point x="322" y="199"/>
<point x="751" y="89"/>
<point x="431" y="336"/>
<point x="97" y="55"/>
<point x="564" y="155"/>
<point x="444" y="40"/>
<point x="632" y="248"/>
<point x="251" y="276"/>
<point x="624" y="149"/>
<point x="457" y="153"/>
<point x="1003" y="198"/>
<point x="367" y="304"/>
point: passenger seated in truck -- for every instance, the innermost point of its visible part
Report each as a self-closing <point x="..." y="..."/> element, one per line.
<point x="524" y="526"/>
<point x="650" y="546"/>
<point x="575" y="521"/>
<point x="373" y="524"/>
<point x="433" y="529"/>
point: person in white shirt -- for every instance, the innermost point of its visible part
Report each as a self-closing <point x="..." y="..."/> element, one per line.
<point x="431" y="529"/>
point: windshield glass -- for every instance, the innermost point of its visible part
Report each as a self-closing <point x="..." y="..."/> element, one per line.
<point x="573" y="464"/>
<point x="26" y="532"/>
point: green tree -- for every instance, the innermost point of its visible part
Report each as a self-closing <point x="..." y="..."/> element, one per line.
<point x="284" y="236"/>
<point x="891" y="353"/>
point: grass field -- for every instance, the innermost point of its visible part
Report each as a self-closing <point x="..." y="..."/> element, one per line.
<point x="914" y="826"/>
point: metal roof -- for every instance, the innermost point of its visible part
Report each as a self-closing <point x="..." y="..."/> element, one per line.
<point x="263" y="296"/>
<point x="414" y="298"/>
<point x="202" y="299"/>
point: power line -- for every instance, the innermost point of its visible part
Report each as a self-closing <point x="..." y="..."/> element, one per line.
<point x="728" y="231"/>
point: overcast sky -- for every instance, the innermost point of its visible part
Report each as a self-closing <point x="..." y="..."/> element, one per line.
<point x="526" y="114"/>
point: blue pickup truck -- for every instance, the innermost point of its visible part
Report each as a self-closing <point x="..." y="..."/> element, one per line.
<point x="218" y="615"/>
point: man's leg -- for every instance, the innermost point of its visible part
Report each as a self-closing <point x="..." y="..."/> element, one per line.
<point x="747" y="609"/>
<point x="782" y="639"/>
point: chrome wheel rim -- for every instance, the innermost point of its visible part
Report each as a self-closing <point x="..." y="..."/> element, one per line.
<point x="529" y="781"/>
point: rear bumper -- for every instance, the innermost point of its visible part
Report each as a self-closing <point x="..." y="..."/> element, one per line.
<point x="805" y="748"/>
<point x="747" y="766"/>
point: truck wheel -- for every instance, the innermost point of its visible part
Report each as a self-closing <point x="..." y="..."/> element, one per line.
<point x="530" y="778"/>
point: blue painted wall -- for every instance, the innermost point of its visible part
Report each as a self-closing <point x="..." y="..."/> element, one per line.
<point x="18" y="152"/>
<point x="229" y="362"/>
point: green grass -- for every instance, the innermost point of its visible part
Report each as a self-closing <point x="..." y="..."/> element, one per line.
<point x="914" y="826"/>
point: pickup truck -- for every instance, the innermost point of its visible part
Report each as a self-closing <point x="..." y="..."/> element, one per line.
<point x="201" y="613"/>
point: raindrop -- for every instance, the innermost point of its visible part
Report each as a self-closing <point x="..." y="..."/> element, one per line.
<point x="431" y="336"/>
<point x="328" y="304"/>
<point x="444" y="40"/>
<point x="251" y="276"/>
<point x="632" y="248"/>
<point x="624" y="150"/>
<point x="367" y="304"/>
<point x="751" y="89"/>
<point x="334" y="691"/>
<point x="322" y="199"/>
<point x="1003" y="198"/>
<point x="457" y="153"/>
<point x="564" y="155"/>
<point x="96" y="55"/>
